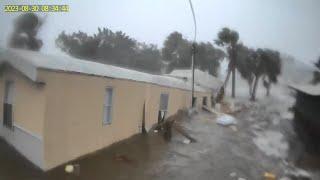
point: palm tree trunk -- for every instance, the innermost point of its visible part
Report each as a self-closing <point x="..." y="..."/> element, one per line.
<point x="250" y="83"/>
<point x="227" y="78"/>
<point x="233" y="82"/>
<point x="255" y="86"/>
<point x="268" y="89"/>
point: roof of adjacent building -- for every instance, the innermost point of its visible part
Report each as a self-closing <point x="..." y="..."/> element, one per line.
<point x="308" y="89"/>
<point x="202" y="78"/>
<point x="29" y="62"/>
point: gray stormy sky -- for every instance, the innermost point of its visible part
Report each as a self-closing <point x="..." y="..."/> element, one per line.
<point x="291" y="26"/>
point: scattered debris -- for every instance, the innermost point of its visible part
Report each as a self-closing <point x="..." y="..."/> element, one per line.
<point x="234" y="128"/>
<point x="69" y="168"/>
<point x="174" y="122"/>
<point x="269" y="176"/>
<point x="73" y="169"/>
<point x="226" y="120"/>
<point x="206" y="108"/>
<point x="296" y="173"/>
<point x="284" y="178"/>
<point x="181" y="130"/>
<point x="287" y="115"/>
<point x="226" y="107"/>
<point x="155" y="131"/>
<point x="272" y="143"/>
<point x="241" y="178"/>
<point x="186" y="141"/>
<point x="233" y="174"/>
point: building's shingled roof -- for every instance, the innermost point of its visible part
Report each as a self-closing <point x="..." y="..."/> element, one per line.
<point x="28" y="62"/>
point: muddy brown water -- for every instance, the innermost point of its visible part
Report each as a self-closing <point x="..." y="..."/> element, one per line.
<point x="218" y="152"/>
<point x="124" y="160"/>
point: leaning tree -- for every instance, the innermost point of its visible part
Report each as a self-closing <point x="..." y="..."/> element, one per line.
<point x="245" y="64"/>
<point x="267" y="64"/>
<point x="229" y="39"/>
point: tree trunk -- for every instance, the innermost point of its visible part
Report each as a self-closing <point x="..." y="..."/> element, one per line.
<point x="233" y="63"/>
<point x="268" y="90"/>
<point x="250" y="82"/>
<point x="255" y="86"/>
<point x="233" y="82"/>
<point x="227" y="78"/>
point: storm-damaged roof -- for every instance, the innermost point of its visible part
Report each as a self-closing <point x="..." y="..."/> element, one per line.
<point x="29" y="62"/>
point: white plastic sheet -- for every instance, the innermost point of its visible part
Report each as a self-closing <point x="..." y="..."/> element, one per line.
<point x="226" y="120"/>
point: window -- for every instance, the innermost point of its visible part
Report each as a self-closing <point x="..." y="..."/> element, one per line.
<point x="107" y="114"/>
<point x="164" y="99"/>
<point x="194" y="101"/>
<point x="7" y="106"/>
<point x="212" y="101"/>
<point x="204" y="101"/>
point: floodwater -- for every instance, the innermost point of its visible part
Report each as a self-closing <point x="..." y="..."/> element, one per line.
<point x="222" y="153"/>
<point x="127" y="159"/>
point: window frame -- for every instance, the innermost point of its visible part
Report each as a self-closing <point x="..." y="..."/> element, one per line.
<point x="108" y="106"/>
<point x="8" y="98"/>
<point x="204" y="101"/>
<point x="160" y="102"/>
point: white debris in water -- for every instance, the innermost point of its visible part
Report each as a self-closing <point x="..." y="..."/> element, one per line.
<point x="284" y="178"/>
<point x="287" y="115"/>
<point x="186" y="141"/>
<point x="226" y="120"/>
<point x="241" y="178"/>
<point x="271" y="143"/>
<point x="256" y="127"/>
<point x="275" y="121"/>
<point x="298" y="173"/>
<point x="233" y="174"/>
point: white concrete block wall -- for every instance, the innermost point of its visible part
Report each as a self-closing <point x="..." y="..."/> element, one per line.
<point x="28" y="144"/>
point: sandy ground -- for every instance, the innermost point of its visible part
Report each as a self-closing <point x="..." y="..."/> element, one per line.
<point x="263" y="141"/>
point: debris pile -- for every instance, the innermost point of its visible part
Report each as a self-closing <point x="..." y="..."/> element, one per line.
<point x="174" y="122"/>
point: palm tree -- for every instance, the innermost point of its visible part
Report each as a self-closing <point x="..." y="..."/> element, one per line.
<point x="267" y="64"/>
<point x="245" y="64"/>
<point x="229" y="39"/>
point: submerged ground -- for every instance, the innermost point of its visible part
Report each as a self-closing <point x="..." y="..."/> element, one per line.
<point x="262" y="141"/>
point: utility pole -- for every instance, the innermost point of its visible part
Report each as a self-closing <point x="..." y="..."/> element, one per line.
<point x="192" y="64"/>
<point x="193" y="53"/>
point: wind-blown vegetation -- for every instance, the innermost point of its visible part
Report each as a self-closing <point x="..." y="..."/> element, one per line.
<point x="24" y="35"/>
<point x="229" y="39"/>
<point x="118" y="48"/>
<point x="177" y="52"/>
<point x="252" y="64"/>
